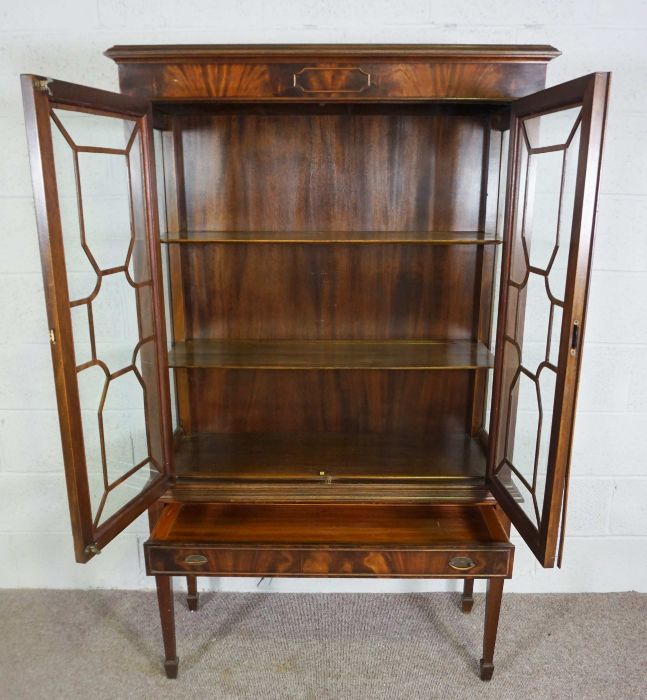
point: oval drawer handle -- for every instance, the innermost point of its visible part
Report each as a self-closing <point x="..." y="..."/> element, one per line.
<point x="462" y="563"/>
<point x="195" y="559"/>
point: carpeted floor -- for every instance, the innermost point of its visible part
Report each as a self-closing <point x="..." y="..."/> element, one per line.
<point x="106" y="644"/>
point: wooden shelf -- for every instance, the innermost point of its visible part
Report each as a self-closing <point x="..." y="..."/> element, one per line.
<point x="330" y="354"/>
<point x="326" y="237"/>
<point x="330" y="458"/>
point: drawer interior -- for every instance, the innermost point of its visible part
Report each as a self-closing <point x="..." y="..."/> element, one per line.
<point x="329" y="524"/>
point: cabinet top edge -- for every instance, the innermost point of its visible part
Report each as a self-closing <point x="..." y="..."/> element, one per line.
<point x="163" y="53"/>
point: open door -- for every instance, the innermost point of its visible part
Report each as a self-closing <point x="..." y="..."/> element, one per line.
<point x="93" y="175"/>
<point x="555" y="149"/>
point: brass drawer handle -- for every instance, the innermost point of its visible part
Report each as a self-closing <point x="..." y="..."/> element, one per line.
<point x="462" y="563"/>
<point x="195" y="559"/>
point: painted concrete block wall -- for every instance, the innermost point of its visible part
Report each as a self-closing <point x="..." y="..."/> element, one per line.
<point x="608" y="513"/>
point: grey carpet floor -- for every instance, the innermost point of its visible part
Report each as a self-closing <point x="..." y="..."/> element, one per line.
<point x="106" y="644"/>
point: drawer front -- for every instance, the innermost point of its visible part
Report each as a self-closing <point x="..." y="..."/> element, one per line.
<point x="332" y="81"/>
<point x="340" y="562"/>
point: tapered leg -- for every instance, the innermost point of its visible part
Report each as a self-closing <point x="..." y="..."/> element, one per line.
<point x="492" y="609"/>
<point x="467" y="600"/>
<point x="167" y="618"/>
<point x="192" y="595"/>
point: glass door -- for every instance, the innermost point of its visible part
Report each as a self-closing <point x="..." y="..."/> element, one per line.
<point x="553" y="172"/>
<point x="93" y="174"/>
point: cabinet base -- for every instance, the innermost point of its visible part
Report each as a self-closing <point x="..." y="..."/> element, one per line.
<point x="445" y="540"/>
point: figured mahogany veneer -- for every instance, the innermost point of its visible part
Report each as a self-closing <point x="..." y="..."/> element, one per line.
<point x="329" y="221"/>
<point x="341" y="72"/>
<point x="355" y="168"/>
<point x="329" y="539"/>
<point x="334" y="292"/>
<point x="384" y="401"/>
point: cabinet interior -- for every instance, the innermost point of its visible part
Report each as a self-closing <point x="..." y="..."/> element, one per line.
<point x="330" y="277"/>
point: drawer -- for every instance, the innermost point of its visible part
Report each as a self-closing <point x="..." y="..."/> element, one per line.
<point x="327" y="562"/>
<point x="329" y="540"/>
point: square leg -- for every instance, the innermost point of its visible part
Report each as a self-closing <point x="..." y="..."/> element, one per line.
<point x="467" y="599"/>
<point x="192" y="592"/>
<point x="167" y="619"/>
<point x="492" y="609"/>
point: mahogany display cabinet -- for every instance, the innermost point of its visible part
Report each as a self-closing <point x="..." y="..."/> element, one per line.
<point x="319" y="310"/>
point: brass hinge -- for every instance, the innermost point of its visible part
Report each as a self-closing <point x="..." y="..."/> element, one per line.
<point x="52" y="336"/>
<point x="92" y="549"/>
<point x="42" y="85"/>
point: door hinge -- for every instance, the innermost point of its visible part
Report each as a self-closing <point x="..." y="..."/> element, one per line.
<point x="52" y="336"/>
<point x="92" y="549"/>
<point x="42" y="85"/>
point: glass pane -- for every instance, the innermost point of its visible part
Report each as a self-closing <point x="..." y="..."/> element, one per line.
<point x="108" y="267"/>
<point x="158" y="141"/>
<point x="128" y="489"/>
<point x="91" y="383"/>
<point x="503" y="179"/>
<point x="551" y="129"/>
<point x="138" y="264"/>
<point x="540" y="230"/>
<point x="95" y="130"/>
<point x="114" y="312"/>
<point x="105" y="206"/>
<point x="82" y="277"/>
<point x="158" y="144"/>
<point x="540" y="249"/>
<point x="536" y="319"/>
<point x="169" y="331"/>
<point x="523" y="438"/>
<point x="496" y="282"/>
<point x="553" y="341"/>
<point x="519" y="265"/>
<point x="123" y="420"/>
<point x="547" y="384"/>
<point x="81" y="333"/>
<point x="559" y="264"/>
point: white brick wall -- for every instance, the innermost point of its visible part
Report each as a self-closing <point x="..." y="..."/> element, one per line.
<point x="608" y="514"/>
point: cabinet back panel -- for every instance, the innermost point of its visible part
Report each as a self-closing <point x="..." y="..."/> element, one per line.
<point x="338" y="172"/>
<point x="355" y="171"/>
<point x="305" y="291"/>
<point x="402" y="402"/>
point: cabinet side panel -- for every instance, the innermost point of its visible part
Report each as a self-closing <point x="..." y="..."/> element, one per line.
<point x="175" y="220"/>
<point x="493" y="190"/>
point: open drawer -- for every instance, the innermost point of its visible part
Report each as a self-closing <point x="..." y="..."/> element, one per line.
<point x="329" y="539"/>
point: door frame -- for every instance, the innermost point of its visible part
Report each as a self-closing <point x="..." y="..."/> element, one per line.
<point x="591" y="92"/>
<point x="40" y="95"/>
